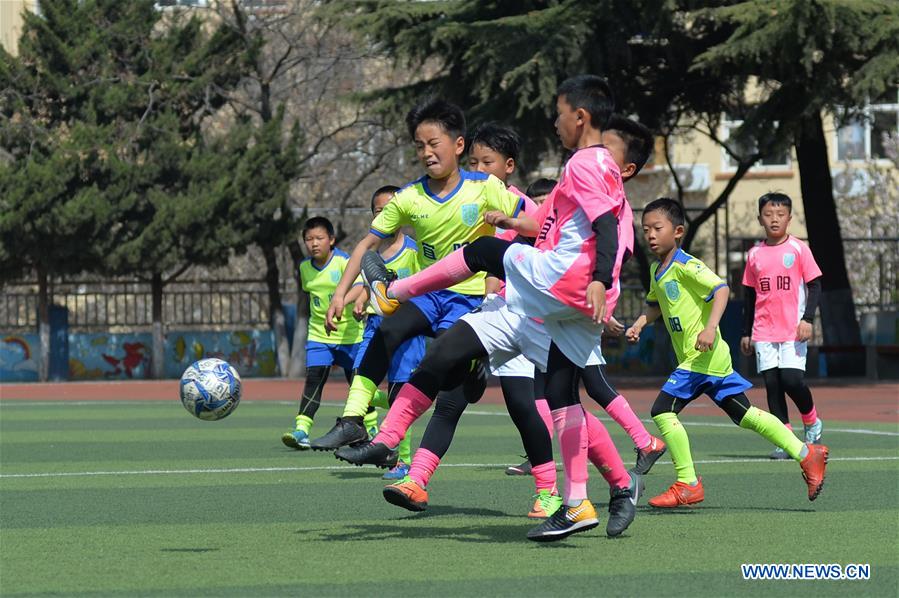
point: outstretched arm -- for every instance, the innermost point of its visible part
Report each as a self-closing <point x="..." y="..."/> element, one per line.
<point x="350" y="273"/>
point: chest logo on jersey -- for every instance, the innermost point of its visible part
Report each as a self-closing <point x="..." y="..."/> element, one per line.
<point x="789" y="260"/>
<point x="335" y="276"/>
<point x="469" y="214"/>
<point x="672" y="290"/>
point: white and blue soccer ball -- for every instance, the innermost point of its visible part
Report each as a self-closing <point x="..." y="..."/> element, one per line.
<point x="210" y="389"/>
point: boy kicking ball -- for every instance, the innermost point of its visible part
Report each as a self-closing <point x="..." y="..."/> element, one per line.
<point x="691" y="299"/>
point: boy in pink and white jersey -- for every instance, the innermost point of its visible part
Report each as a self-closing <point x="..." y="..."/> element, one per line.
<point x="783" y="286"/>
<point x="563" y="280"/>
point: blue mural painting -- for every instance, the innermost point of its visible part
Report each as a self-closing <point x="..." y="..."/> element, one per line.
<point x="251" y="352"/>
<point x="110" y="356"/>
<point x="19" y="357"/>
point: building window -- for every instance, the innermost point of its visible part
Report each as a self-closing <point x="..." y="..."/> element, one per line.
<point x="777" y="161"/>
<point x="862" y="138"/>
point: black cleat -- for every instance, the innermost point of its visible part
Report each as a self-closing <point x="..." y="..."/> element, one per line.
<point x="623" y="506"/>
<point x="564" y="522"/>
<point x="344" y="432"/>
<point x="647" y="457"/>
<point x="369" y="453"/>
<point x="523" y="469"/>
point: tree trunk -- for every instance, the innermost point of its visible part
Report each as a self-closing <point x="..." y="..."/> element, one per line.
<point x="838" y="318"/>
<point x="43" y="324"/>
<point x="276" y="310"/>
<point x="297" y="368"/>
<point x="157" y="360"/>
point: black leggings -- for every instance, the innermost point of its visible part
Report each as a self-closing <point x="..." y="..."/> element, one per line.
<point x="787" y="381"/>
<point x="735" y="406"/>
<point x="460" y="344"/>
<point x="597" y="385"/>
<point x="316" y="377"/>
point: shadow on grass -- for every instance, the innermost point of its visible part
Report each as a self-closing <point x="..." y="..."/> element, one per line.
<point x="377" y="532"/>
<point x="698" y="510"/>
<point x="359" y="473"/>
<point x="189" y="549"/>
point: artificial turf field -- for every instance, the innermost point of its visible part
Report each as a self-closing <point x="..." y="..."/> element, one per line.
<point x="139" y="498"/>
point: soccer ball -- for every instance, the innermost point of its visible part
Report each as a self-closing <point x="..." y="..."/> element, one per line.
<point x="210" y="389"/>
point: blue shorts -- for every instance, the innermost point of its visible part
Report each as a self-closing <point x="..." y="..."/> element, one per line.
<point x="687" y="385"/>
<point x="405" y="359"/>
<point x="444" y="308"/>
<point x="326" y="354"/>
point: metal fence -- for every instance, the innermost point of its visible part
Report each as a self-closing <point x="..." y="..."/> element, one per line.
<point x="122" y="306"/>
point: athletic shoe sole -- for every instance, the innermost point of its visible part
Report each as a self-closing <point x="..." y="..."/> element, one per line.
<point x="395" y="497"/>
<point x="576" y="528"/>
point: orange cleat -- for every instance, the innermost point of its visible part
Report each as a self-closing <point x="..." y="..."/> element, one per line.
<point x="680" y="493"/>
<point x="813" y="467"/>
<point x="408" y="495"/>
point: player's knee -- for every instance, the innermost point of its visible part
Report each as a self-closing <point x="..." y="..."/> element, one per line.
<point x="736" y="407"/>
<point x="792" y="380"/>
<point x="661" y="406"/>
<point x="314" y="375"/>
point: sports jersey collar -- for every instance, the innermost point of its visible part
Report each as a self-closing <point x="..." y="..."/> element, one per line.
<point x="399" y="251"/>
<point x="424" y="185"/>
<point x="312" y="261"/>
<point x="679" y="256"/>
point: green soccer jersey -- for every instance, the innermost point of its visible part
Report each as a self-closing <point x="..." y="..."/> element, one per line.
<point x="684" y="291"/>
<point x="320" y="284"/>
<point x="444" y="224"/>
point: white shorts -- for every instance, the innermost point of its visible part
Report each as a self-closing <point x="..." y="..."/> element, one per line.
<point x="518" y="367"/>
<point x="527" y="294"/>
<point x="788" y="354"/>
<point x="507" y="336"/>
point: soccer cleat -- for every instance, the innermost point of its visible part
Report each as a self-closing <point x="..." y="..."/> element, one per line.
<point x="408" y="495"/>
<point x="344" y="432"/>
<point x="369" y="453"/>
<point x="397" y="473"/>
<point x="564" y="522"/>
<point x="813" y="466"/>
<point x="377" y="278"/>
<point x="546" y="503"/>
<point x="680" y="493"/>
<point x="523" y="469"/>
<point x="813" y="432"/>
<point x="779" y="454"/>
<point x="623" y="506"/>
<point x="297" y="439"/>
<point x="646" y="457"/>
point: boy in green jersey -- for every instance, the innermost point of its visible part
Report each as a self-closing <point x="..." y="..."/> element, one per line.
<point x="319" y="274"/>
<point x="445" y="209"/>
<point x="691" y="299"/>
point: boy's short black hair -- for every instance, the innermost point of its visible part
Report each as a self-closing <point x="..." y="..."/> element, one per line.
<point x="318" y="222"/>
<point x="638" y="139"/>
<point x="540" y="187"/>
<point x="672" y="210"/>
<point x="776" y="198"/>
<point x="436" y="110"/>
<point x="593" y="94"/>
<point x="391" y="189"/>
<point x="503" y="140"/>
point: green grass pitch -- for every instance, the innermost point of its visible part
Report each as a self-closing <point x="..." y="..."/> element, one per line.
<point x="159" y="503"/>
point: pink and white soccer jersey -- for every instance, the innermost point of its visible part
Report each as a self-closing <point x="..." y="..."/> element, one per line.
<point x="549" y="281"/>
<point x="779" y="274"/>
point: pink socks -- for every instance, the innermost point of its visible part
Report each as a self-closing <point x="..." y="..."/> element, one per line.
<point x="603" y="454"/>
<point x="410" y="403"/>
<point x="810" y="417"/>
<point x="571" y="428"/>
<point x="545" y="415"/>
<point x="443" y="274"/>
<point x="544" y="476"/>
<point x="424" y="464"/>
<point x="620" y="411"/>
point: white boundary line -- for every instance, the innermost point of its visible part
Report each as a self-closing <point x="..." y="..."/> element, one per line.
<point x="70" y="474"/>
<point x="333" y="404"/>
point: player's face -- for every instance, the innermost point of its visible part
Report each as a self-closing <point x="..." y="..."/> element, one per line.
<point x="775" y="219"/>
<point x="539" y="199"/>
<point x="437" y="151"/>
<point x="318" y="243"/>
<point x="618" y="148"/>
<point x="569" y="123"/>
<point x="380" y="201"/>
<point x="660" y="233"/>
<point x="489" y="161"/>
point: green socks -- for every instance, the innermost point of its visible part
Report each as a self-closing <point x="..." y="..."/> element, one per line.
<point x="773" y="430"/>
<point x="304" y="423"/>
<point x="675" y="437"/>
<point x="380" y="400"/>
<point x="361" y="392"/>
<point x="405" y="448"/>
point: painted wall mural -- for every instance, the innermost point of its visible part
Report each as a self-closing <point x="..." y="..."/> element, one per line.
<point x="110" y="356"/>
<point x="19" y="357"/>
<point x="251" y="352"/>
